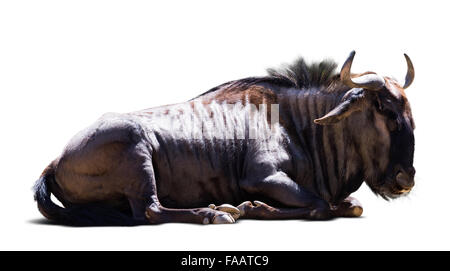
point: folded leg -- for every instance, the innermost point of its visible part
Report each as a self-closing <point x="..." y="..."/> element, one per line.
<point x="260" y="210"/>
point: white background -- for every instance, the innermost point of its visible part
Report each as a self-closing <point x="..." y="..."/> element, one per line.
<point x="65" y="63"/>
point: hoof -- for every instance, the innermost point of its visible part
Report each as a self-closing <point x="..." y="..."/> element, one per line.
<point x="259" y="203"/>
<point x="223" y="219"/>
<point x="244" y="206"/>
<point x="233" y="211"/>
<point x="357" y="211"/>
<point x="227" y="208"/>
<point x="350" y="207"/>
<point x="356" y="208"/>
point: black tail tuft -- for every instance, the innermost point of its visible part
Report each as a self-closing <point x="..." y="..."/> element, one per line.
<point x="76" y="215"/>
<point x="45" y="205"/>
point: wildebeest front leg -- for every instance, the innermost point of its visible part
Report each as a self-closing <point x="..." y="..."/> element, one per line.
<point x="157" y="214"/>
<point x="299" y="202"/>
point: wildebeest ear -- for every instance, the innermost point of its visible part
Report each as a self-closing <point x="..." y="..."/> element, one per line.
<point x="351" y="102"/>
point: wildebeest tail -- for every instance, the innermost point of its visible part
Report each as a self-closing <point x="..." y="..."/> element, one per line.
<point x="75" y="215"/>
<point x="42" y="195"/>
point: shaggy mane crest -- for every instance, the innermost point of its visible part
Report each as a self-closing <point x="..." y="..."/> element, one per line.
<point x="301" y="74"/>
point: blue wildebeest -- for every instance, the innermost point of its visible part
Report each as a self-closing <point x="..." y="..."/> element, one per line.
<point x="217" y="157"/>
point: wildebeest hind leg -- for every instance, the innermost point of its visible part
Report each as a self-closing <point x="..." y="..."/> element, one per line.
<point x="157" y="214"/>
<point x="144" y="199"/>
<point x="261" y="210"/>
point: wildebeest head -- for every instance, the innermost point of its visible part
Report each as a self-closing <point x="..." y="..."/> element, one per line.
<point x="377" y="111"/>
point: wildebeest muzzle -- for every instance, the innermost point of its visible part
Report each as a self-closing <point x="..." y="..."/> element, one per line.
<point x="405" y="180"/>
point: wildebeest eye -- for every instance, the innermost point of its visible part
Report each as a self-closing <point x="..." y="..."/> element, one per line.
<point x="384" y="109"/>
<point x="392" y="116"/>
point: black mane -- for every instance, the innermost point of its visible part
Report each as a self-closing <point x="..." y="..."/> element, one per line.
<point x="299" y="74"/>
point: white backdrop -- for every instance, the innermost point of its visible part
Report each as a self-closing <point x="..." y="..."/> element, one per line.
<point x="65" y="63"/>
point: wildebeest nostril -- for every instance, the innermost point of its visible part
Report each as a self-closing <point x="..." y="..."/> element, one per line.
<point x="411" y="171"/>
<point x="404" y="180"/>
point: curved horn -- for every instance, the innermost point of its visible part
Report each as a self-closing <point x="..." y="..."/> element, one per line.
<point x="409" y="78"/>
<point x="368" y="81"/>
